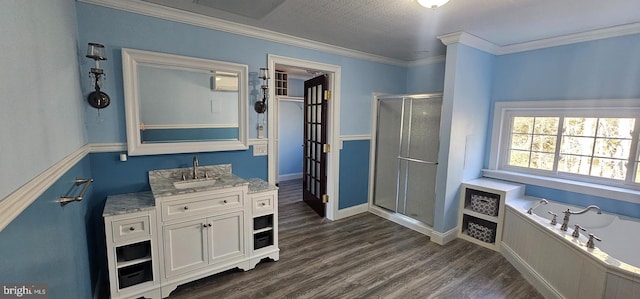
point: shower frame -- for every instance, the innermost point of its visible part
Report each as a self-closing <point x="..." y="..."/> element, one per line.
<point x="396" y="217"/>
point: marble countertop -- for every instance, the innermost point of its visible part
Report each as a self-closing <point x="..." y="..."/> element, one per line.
<point x="257" y="185"/>
<point x="162" y="181"/>
<point x="128" y="203"/>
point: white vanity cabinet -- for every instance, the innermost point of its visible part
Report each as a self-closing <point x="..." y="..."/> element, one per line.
<point x="158" y="241"/>
<point x="264" y="226"/>
<point x="199" y="243"/>
<point x="203" y="233"/>
<point x="131" y="236"/>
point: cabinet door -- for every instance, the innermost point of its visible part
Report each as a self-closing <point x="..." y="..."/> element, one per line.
<point x="185" y="246"/>
<point x="227" y="237"/>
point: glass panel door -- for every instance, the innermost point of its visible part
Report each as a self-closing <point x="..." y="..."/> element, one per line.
<point x="387" y="149"/>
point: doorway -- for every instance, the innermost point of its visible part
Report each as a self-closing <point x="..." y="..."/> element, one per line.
<point x="333" y="75"/>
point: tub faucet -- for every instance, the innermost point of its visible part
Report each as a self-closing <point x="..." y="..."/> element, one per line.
<point x="541" y="202"/>
<point x="567" y="213"/>
<point x="195" y="167"/>
<point x="590" y="242"/>
<point x="591" y="207"/>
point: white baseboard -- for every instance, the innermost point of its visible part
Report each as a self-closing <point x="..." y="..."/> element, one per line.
<point x="351" y="211"/>
<point x="444" y="238"/>
<point x="290" y="176"/>
<point x="535" y="279"/>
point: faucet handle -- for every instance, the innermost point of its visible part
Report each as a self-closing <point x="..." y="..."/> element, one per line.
<point x="576" y="231"/>
<point x="183" y="178"/>
<point x="590" y="242"/>
<point x="206" y="174"/>
<point x="554" y="220"/>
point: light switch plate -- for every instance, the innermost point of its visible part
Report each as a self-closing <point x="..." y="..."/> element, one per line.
<point x="259" y="149"/>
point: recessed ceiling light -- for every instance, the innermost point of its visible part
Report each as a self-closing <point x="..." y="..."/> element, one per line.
<point x="432" y="3"/>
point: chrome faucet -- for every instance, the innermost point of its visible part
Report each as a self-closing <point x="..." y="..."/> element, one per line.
<point x="590" y="242"/>
<point x="567" y="213"/>
<point x="195" y="167"/>
<point x="591" y="207"/>
<point x="541" y="202"/>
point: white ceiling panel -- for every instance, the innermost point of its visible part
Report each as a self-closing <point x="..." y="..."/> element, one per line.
<point x="404" y="30"/>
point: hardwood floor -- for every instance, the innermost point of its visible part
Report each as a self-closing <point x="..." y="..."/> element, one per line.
<point x="363" y="256"/>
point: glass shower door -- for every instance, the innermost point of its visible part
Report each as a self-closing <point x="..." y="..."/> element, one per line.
<point x="387" y="150"/>
<point x="407" y="142"/>
<point x="420" y="148"/>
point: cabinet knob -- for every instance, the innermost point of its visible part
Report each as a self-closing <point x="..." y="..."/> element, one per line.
<point x="204" y="225"/>
<point x="186" y="207"/>
<point x="132" y="228"/>
<point x="209" y="225"/>
<point x="224" y="201"/>
<point x="263" y="204"/>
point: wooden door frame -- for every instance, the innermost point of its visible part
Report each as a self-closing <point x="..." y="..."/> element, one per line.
<point x="333" y="124"/>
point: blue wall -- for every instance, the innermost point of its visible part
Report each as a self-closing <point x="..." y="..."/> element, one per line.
<point x="118" y="29"/>
<point x="41" y="120"/>
<point x="49" y="244"/>
<point x="463" y="129"/>
<point x="354" y="173"/>
<point x="290" y="137"/>
<point x="600" y="69"/>
<point x="425" y="78"/>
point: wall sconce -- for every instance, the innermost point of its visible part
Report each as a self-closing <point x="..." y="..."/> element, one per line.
<point x="261" y="106"/>
<point x="97" y="98"/>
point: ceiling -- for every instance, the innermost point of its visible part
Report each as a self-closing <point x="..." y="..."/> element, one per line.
<point x="404" y="30"/>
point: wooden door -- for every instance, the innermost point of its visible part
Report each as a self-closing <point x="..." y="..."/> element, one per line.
<point x="314" y="167"/>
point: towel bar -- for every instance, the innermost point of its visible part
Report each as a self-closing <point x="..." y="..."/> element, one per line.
<point x="79" y="181"/>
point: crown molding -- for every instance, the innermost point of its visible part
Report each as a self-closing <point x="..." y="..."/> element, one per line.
<point x="627" y="29"/>
<point x="172" y="14"/>
<point x="181" y="16"/>
<point x="469" y="40"/>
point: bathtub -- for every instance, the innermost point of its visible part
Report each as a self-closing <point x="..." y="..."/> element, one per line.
<point x="561" y="266"/>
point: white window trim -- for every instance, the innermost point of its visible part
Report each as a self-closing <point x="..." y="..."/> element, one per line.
<point x="493" y="171"/>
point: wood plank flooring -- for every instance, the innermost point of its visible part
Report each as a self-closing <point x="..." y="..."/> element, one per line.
<point x="363" y="256"/>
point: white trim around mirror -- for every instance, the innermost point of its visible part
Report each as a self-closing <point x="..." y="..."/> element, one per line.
<point x="130" y="60"/>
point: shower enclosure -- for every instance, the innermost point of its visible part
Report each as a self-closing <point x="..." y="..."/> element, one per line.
<point x="406" y="155"/>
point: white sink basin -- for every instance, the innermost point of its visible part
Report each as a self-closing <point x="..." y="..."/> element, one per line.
<point x="194" y="183"/>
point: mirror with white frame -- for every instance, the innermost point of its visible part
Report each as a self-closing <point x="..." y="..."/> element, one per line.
<point x="180" y="104"/>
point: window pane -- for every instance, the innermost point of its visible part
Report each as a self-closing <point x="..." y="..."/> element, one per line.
<point x="612" y="148"/>
<point x="545" y="144"/>
<point x="637" y="173"/>
<point x="542" y="161"/>
<point x="576" y="145"/>
<point x="521" y="141"/>
<point x="519" y="158"/>
<point x="522" y="124"/>
<point x="580" y="126"/>
<point x="616" y="127"/>
<point x="546" y="125"/>
<point x="609" y="168"/>
<point x="574" y="164"/>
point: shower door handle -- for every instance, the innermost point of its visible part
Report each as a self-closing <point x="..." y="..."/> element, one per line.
<point x="417" y="160"/>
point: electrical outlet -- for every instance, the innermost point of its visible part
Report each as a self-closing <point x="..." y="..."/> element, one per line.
<point x="259" y="149"/>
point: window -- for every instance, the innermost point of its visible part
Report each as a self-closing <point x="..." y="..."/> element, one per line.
<point x="595" y="143"/>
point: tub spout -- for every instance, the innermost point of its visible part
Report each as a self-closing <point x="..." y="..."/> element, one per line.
<point x="591" y="207"/>
<point x="567" y="213"/>
<point x="541" y="202"/>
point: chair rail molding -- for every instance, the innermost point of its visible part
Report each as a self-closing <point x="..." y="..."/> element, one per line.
<point x="20" y="199"/>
